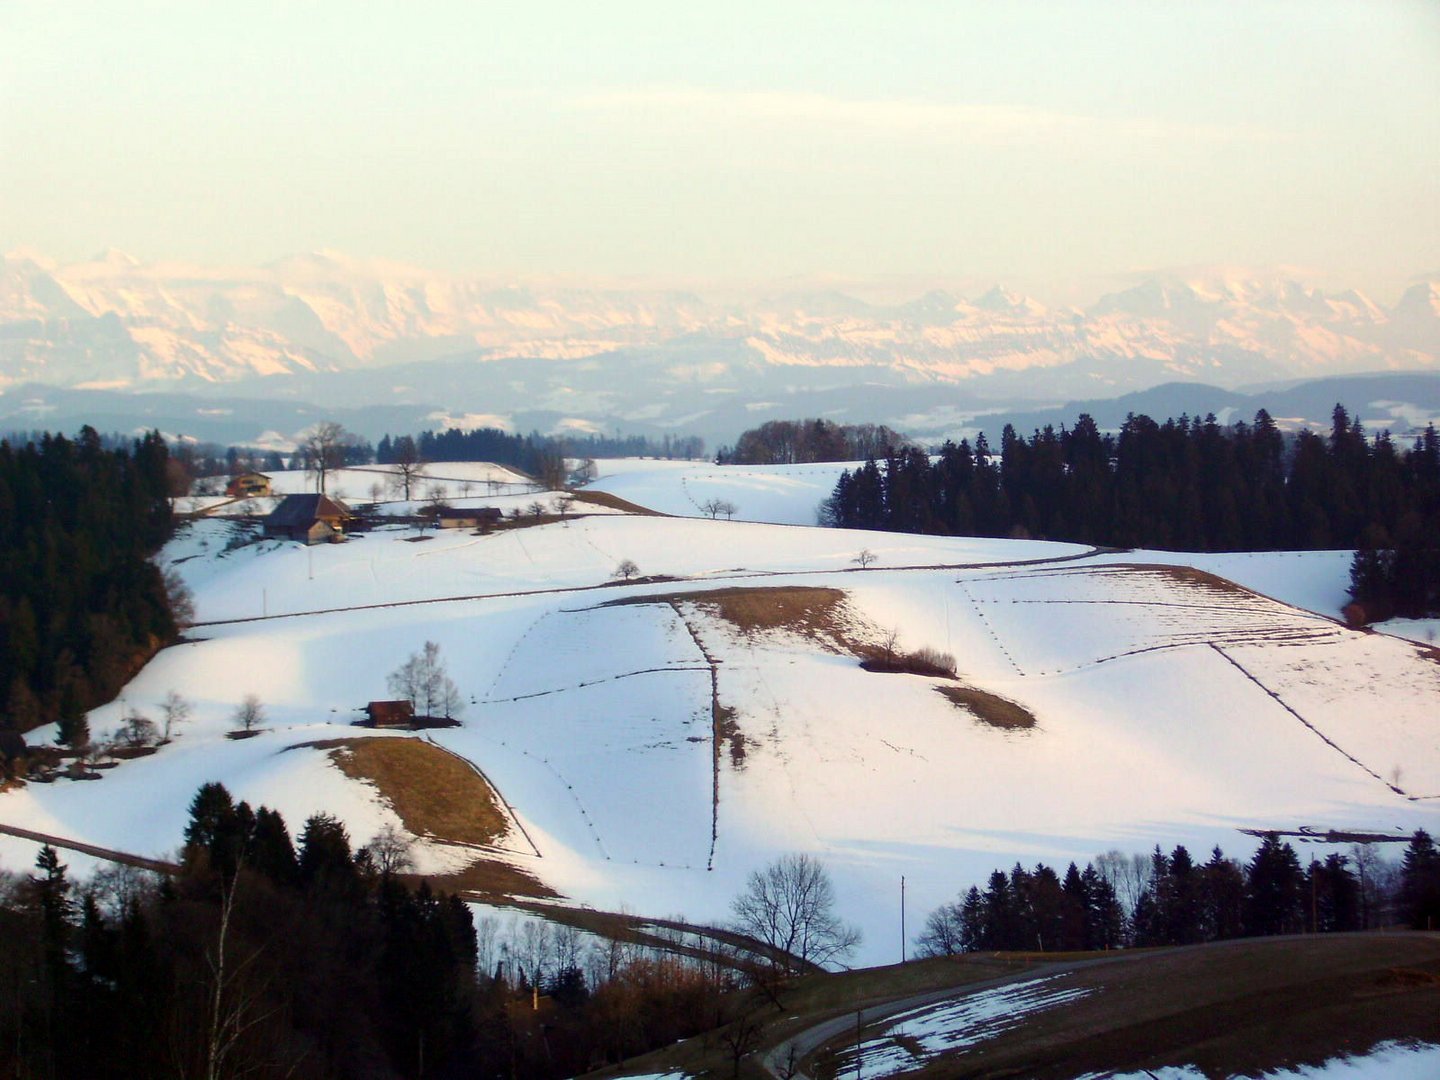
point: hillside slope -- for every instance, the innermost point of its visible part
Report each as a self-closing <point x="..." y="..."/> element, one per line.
<point x="656" y="752"/>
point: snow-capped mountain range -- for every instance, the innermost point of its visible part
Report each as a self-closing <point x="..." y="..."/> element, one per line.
<point x="115" y="323"/>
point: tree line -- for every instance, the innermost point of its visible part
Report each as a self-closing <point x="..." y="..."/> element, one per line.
<point x="1184" y="485"/>
<point x="524" y="452"/>
<point x="1173" y="900"/>
<point x="309" y="957"/>
<point x="81" y="606"/>
<point x="800" y="442"/>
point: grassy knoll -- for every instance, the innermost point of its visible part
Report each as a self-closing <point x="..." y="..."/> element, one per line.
<point x="435" y="793"/>
<point x="990" y="708"/>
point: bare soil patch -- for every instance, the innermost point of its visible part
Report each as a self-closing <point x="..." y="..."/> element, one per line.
<point x="990" y="708"/>
<point x="435" y="793"/>
<point x="127" y="753"/>
<point x="490" y="879"/>
<point x="821" y="614"/>
<point x="614" y="502"/>
<point x="728" y="733"/>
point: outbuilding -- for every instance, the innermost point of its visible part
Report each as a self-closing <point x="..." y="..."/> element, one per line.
<point x="248" y="485"/>
<point x="310" y="519"/>
<point x="390" y="714"/>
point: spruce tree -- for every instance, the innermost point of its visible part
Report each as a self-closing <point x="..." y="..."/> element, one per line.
<point x="1420" y="882"/>
<point x="1274" y="889"/>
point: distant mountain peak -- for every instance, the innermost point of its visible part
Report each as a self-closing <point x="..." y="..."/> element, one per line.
<point x="115" y="259"/>
<point x="1003" y="301"/>
<point x="1421" y="298"/>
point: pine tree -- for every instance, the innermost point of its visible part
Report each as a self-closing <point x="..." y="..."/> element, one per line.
<point x="1420" y="882"/>
<point x="1274" y="890"/>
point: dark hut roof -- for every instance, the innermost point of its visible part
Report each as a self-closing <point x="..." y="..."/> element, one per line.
<point x="301" y="511"/>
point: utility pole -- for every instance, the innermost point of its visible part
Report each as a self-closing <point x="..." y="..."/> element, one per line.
<point x="902" y="918"/>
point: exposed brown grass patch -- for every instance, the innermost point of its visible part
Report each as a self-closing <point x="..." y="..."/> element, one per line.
<point x="820" y="614"/>
<point x="990" y="708"/>
<point x="614" y="502"/>
<point x="435" y="793"/>
<point x="728" y="733"/>
<point x="492" y="880"/>
<point x="1191" y="577"/>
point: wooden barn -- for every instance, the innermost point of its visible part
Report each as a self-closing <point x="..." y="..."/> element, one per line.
<point x="248" y="485"/>
<point x="483" y="517"/>
<point x="390" y="714"/>
<point x="310" y="519"/>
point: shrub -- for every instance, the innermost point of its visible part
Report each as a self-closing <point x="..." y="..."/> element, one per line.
<point x="923" y="661"/>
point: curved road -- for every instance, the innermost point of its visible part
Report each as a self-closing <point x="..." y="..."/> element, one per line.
<point x="782" y="1060"/>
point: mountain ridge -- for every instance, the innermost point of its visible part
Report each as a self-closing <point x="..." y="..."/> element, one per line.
<point x="120" y="323"/>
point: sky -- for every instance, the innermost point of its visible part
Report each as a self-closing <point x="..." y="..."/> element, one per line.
<point x="1024" y="142"/>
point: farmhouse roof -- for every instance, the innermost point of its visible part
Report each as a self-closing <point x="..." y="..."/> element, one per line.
<point x="300" y="511"/>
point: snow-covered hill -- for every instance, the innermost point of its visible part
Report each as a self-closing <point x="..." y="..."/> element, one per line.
<point x="113" y="322"/>
<point x="659" y="740"/>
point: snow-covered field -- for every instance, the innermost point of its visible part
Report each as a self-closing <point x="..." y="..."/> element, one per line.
<point x="779" y="494"/>
<point x="463" y="483"/>
<point x="1169" y="709"/>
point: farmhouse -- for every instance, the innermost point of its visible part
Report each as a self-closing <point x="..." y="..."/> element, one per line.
<point x="310" y="519"/>
<point x="248" y="485"/>
<point x="483" y="517"/>
<point x="390" y="714"/>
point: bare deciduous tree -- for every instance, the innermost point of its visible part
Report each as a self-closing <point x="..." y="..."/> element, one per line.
<point x="790" y="906"/>
<point x="550" y="469"/>
<point x="323" y="450"/>
<point x="944" y="932"/>
<point x="423" y="681"/>
<point x="408" y="464"/>
<point x="390" y="851"/>
<point x="250" y="714"/>
<point x="175" y="710"/>
<point x="136" y="731"/>
<point x="716" y="507"/>
<point x="179" y="597"/>
<point x="865" y="558"/>
<point x="625" y="570"/>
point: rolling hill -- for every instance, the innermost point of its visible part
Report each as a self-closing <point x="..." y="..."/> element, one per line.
<point x="653" y="741"/>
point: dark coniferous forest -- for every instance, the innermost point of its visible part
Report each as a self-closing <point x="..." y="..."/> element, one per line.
<point x="527" y="452"/>
<point x="1175" y="900"/>
<point x="81" y="607"/>
<point x="1184" y="485"/>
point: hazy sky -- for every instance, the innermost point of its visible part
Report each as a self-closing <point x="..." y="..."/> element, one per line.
<point x="1023" y="142"/>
